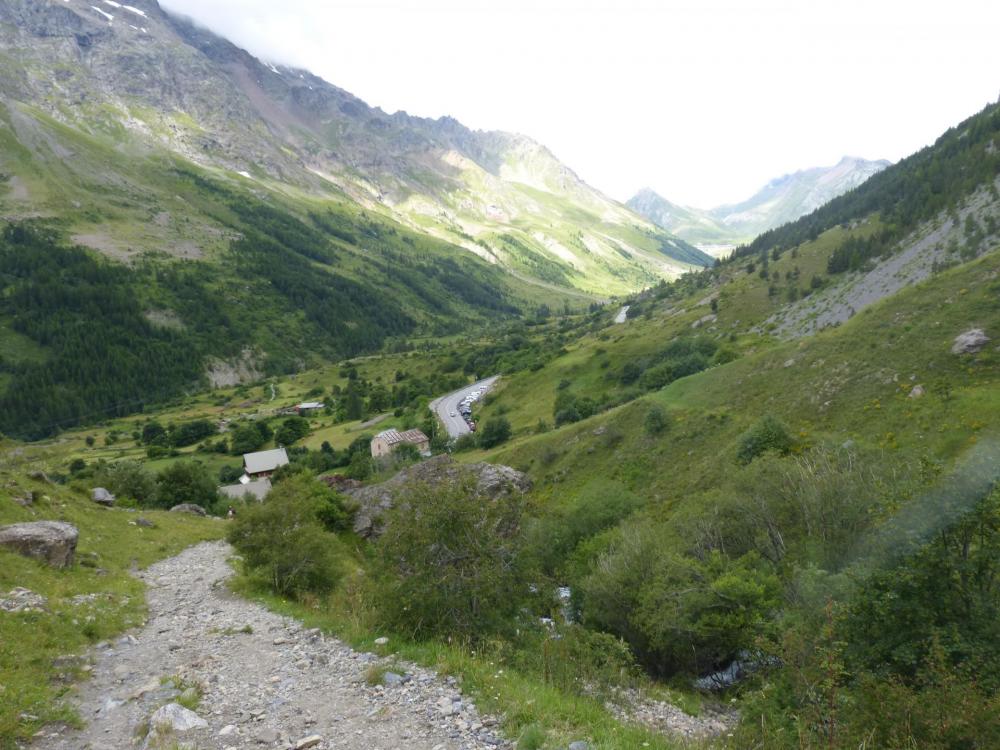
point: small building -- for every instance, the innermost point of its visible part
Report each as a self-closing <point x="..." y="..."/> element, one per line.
<point x="309" y="407"/>
<point x="257" y="489"/>
<point x="386" y="442"/>
<point x="263" y="464"/>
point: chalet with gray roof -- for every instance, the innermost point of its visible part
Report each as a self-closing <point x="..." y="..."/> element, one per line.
<point x="263" y="464"/>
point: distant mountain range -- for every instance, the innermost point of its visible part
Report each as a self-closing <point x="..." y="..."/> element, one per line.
<point x="144" y="82"/>
<point x="783" y="199"/>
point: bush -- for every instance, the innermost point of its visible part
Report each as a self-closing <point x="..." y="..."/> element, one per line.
<point x="655" y="421"/>
<point x="450" y="564"/>
<point x="567" y="416"/>
<point x="185" y="482"/>
<point x="600" y="504"/>
<point x="192" y="432"/>
<point x="246" y="439"/>
<point x="466" y="442"/>
<point x="128" y="479"/>
<point x="291" y="430"/>
<point x="283" y="540"/>
<point x="680" y="614"/>
<point x="361" y="466"/>
<point x="152" y="432"/>
<point x="495" y="431"/>
<point x="767" y="435"/>
<point x="230" y="474"/>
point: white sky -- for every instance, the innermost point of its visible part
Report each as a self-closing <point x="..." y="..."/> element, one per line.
<point x="703" y="100"/>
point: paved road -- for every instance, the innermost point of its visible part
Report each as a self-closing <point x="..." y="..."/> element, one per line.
<point x="445" y="406"/>
<point x="622" y="315"/>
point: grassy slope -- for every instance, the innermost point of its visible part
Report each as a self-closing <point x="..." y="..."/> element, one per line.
<point x="32" y="683"/>
<point x="853" y="382"/>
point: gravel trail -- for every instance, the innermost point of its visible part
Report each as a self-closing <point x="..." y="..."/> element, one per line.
<point x="267" y="681"/>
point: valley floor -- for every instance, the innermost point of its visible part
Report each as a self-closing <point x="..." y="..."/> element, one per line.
<point x="264" y="680"/>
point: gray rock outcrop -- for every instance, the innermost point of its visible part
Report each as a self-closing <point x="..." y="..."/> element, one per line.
<point x="491" y="480"/>
<point x="194" y="510"/>
<point x="22" y="600"/>
<point x="970" y="342"/>
<point x="102" y="497"/>
<point x="53" y="542"/>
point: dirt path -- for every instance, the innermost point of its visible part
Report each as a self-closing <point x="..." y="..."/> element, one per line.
<point x="267" y="682"/>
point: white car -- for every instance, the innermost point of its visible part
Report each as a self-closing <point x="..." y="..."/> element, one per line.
<point x="453" y="414"/>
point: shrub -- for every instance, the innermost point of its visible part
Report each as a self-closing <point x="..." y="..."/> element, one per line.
<point x="246" y="439"/>
<point x="190" y="433"/>
<point x="283" y="540"/>
<point x="655" y="421"/>
<point x="466" y="442"/>
<point x="495" y="431"/>
<point x="599" y="505"/>
<point x="128" y="479"/>
<point x="680" y="614"/>
<point x="767" y="435"/>
<point x="450" y="564"/>
<point x="185" y="482"/>
<point x="567" y="416"/>
<point x="229" y="474"/>
<point x="291" y="430"/>
<point x="361" y="466"/>
<point x="152" y="431"/>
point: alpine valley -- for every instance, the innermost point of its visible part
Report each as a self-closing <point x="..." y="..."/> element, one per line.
<point x="261" y="216"/>
<point x="327" y="428"/>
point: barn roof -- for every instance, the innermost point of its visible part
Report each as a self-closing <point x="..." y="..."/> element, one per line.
<point x="258" y="489"/>
<point x="394" y="437"/>
<point x="260" y="461"/>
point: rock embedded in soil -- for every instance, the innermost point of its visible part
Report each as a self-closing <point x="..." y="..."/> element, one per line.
<point x="52" y="542"/>
<point x="970" y="342"/>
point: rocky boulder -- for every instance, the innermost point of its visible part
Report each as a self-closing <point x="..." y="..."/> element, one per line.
<point x="970" y="342"/>
<point x="102" y="497"/>
<point x="177" y="718"/>
<point x="491" y="480"/>
<point x="53" y="542"/>
<point x="194" y="510"/>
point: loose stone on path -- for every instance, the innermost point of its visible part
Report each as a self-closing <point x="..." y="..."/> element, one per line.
<point x="263" y="680"/>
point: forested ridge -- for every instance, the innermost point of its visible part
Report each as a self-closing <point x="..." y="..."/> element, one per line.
<point x="291" y="290"/>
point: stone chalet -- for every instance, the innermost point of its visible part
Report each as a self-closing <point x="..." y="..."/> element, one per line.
<point x="262" y="464"/>
<point x="386" y="442"/>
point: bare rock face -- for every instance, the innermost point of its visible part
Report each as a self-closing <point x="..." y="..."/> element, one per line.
<point x="53" y="542"/>
<point x="970" y="342"/>
<point x="492" y="482"/>
<point x="194" y="510"/>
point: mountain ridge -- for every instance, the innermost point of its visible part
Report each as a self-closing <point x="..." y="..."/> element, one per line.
<point x="177" y="86"/>
<point x="781" y="200"/>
